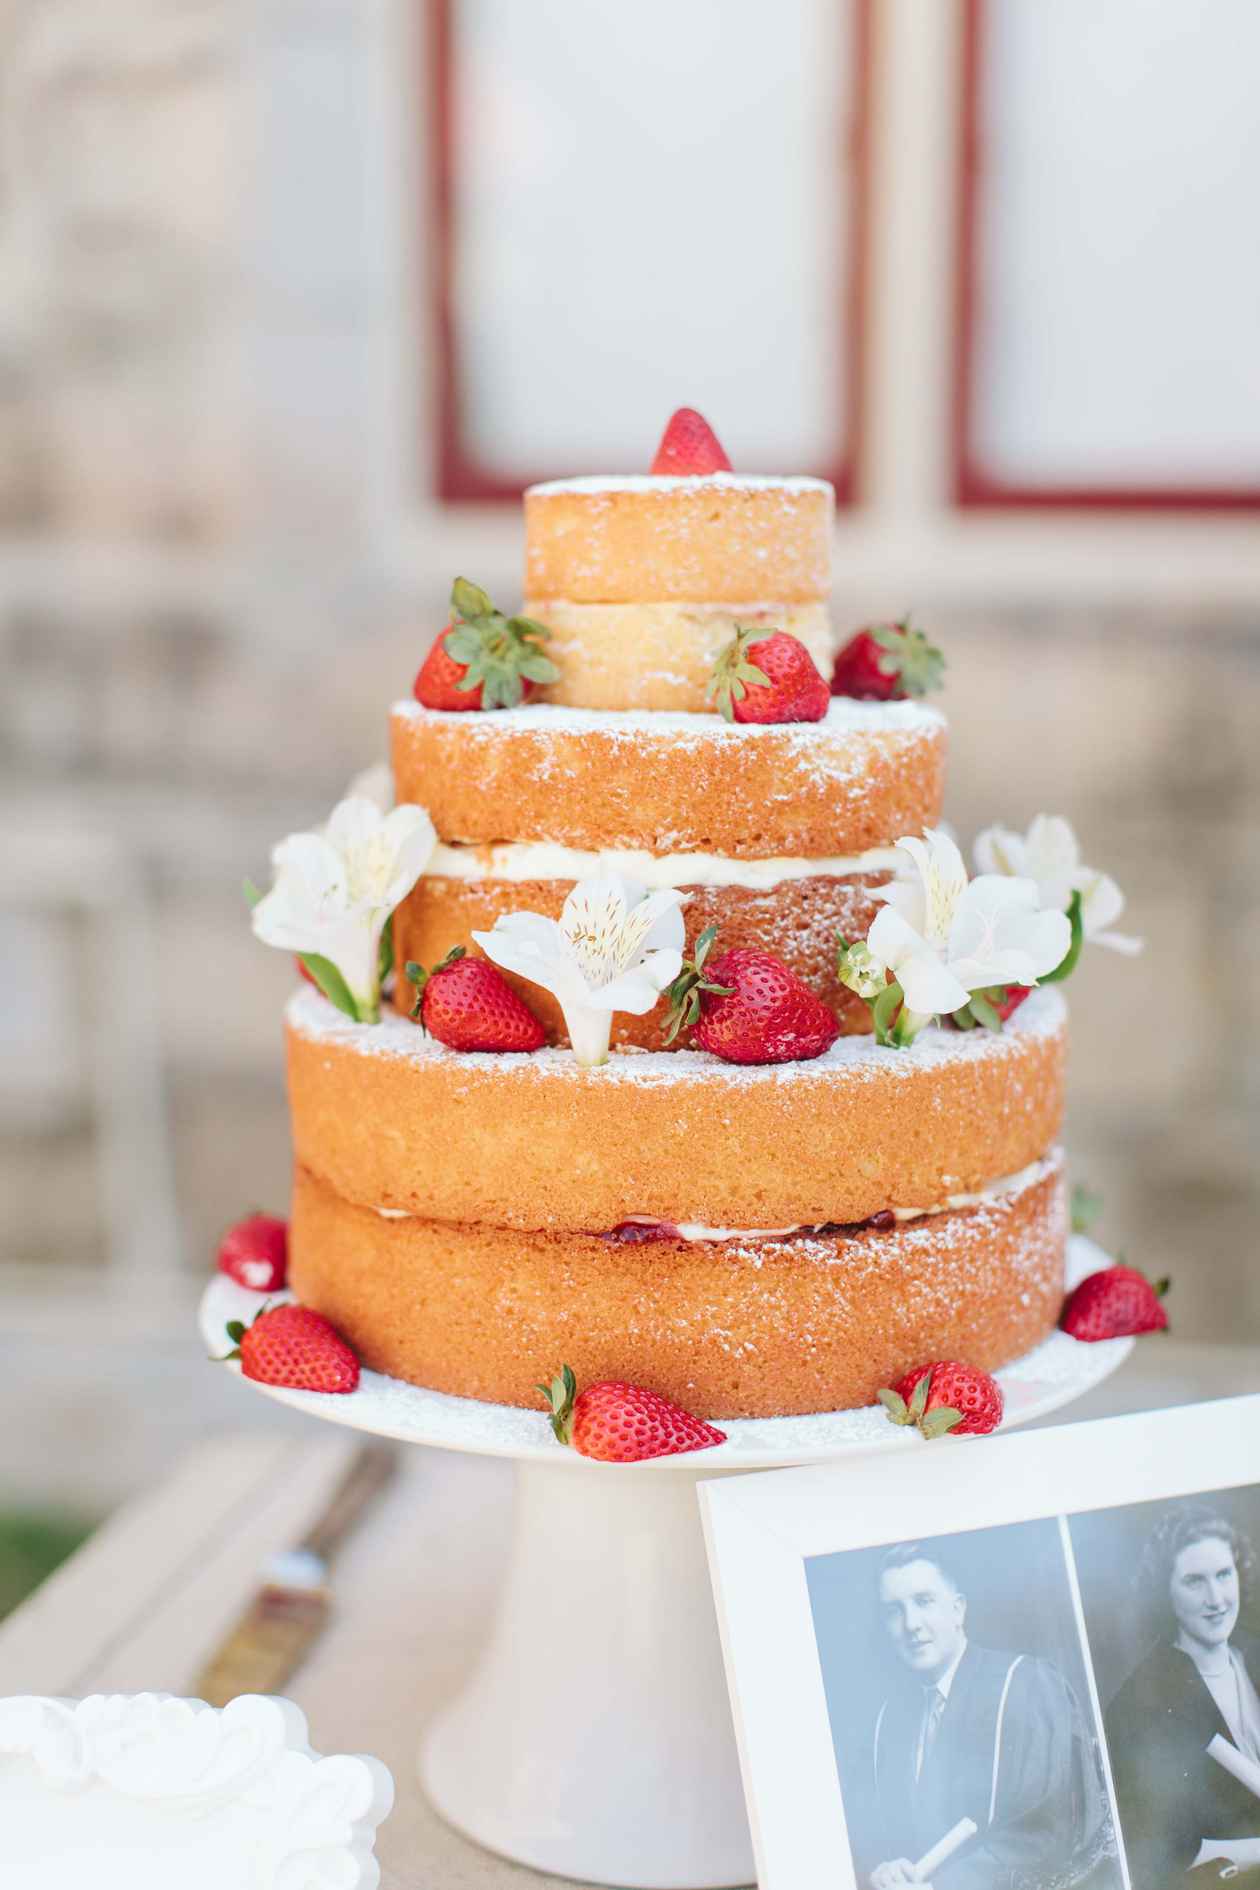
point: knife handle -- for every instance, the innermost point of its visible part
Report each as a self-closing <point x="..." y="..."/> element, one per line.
<point x="367" y="1473"/>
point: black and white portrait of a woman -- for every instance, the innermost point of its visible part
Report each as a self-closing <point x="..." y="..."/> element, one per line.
<point x="1166" y="1589"/>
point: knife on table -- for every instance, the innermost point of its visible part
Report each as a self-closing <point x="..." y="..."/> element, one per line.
<point x="294" y="1600"/>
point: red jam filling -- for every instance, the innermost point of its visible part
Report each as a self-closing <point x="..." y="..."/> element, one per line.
<point x="635" y="1232"/>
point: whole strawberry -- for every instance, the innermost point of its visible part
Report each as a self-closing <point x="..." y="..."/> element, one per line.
<point x="255" y="1253"/>
<point x="946" y="1396"/>
<point x="747" y="1007"/>
<point x="1116" y="1303"/>
<point x="468" y="1005"/>
<point x="887" y="661"/>
<point x="778" y="682"/>
<point x="483" y="660"/>
<point x="291" y="1345"/>
<point x="620" y="1423"/>
<point x="689" y="447"/>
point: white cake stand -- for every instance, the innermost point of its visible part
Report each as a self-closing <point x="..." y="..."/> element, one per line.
<point x="593" y="1738"/>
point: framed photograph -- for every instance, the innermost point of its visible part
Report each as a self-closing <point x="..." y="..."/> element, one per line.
<point x="1027" y="1663"/>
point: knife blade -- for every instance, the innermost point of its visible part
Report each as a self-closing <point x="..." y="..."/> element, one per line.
<point x="294" y="1601"/>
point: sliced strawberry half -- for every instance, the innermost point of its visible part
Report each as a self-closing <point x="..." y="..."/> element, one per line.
<point x="1115" y="1303"/>
<point x="467" y="1004"/>
<point x="622" y="1423"/>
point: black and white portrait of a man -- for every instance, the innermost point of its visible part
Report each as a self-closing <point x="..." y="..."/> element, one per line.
<point x="1167" y="1589"/>
<point x="967" y="1759"/>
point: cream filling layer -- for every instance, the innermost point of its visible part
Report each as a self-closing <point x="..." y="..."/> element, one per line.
<point x="696" y="1231"/>
<point x="543" y="859"/>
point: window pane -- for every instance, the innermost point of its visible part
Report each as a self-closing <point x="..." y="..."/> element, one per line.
<point x="1118" y="269"/>
<point x="649" y="209"/>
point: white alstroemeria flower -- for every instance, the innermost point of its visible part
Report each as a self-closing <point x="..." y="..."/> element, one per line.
<point x="615" y="947"/>
<point x="1050" y="854"/>
<point x="943" y="936"/>
<point x="333" y="890"/>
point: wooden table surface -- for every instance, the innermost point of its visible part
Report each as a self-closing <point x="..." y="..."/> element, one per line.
<point x="149" y="1596"/>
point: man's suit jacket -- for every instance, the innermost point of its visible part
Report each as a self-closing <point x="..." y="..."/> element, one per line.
<point x="1011" y="1753"/>
<point x="1170" y="1795"/>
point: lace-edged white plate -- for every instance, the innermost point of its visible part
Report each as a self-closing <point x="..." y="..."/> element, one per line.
<point x="143" y="1791"/>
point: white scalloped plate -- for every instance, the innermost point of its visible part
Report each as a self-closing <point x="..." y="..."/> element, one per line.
<point x="143" y="1791"/>
<point x="1053" y="1374"/>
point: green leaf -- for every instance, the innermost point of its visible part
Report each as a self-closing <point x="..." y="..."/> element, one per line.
<point x="894" y="1404"/>
<point x="944" y="1418"/>
<point x="537" y="667"/>
<point x="236" y="1330"/>
<point x="919" y="1397"/>
<point x="983" y="1011"/>
<point x="558" y="1396"/>
<point x="528" y="627"/>
<point x="330" y="982"/>
<point x="469" y="600"/>
<point x="964" y="1019"/>
<point x="749" y="673"/>
<point x="252" y="893"/>
<point x="884" y="1009"/>
<point x="918" y="665"/>
<point x="1067" y="964"/>
<point x="385" y="962"/>
<point x="464" y="644"/>
<point x="1086" y="1207"/>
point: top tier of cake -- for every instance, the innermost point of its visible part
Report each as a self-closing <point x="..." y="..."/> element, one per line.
<point x="779" y="834"/>
<point x="642" y="580"/>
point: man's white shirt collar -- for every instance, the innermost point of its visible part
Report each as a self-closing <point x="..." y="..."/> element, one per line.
<point x="945" y="1681"/>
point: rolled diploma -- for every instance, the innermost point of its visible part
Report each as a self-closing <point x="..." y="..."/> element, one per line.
<point x="942" y="1851"/>
<point x="1245" y="1770"/>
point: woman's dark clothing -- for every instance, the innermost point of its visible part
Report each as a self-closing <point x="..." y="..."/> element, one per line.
<point x="1170" y="1794"/>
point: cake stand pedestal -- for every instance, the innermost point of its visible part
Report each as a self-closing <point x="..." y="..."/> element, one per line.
<point x="593" y="1738"/>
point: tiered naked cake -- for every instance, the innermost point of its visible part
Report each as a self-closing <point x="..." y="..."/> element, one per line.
<point x="747" y="1239"/>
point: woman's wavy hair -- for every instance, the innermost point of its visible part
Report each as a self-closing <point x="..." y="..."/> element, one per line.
<point x="1179" y="1528"/>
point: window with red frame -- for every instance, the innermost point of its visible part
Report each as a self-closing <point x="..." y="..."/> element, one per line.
<point x="1109" y="272"/>
<point x="637" y="208"/>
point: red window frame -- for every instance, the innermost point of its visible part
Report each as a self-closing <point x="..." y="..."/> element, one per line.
<point x="458" y="477"/>
<point x="973" y="486"/>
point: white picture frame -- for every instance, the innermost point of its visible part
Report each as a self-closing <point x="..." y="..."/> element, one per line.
<point x="142" y="1791"/>
<point x="767" y="1535"/>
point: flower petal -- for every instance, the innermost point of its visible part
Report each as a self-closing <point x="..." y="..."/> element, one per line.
<point x="1000" y="937"/>
<point x="892" y="939"/>
<point x="930" y="987"/>
<point x="1119" y="942"/>
<point x="917" y="967"/>
<point x="637" y="990"/>
<point x="353" y="823"/>
<point x="1102" y="901"/>
<point x="998" y="850"/>
<point x="409" y="833"/>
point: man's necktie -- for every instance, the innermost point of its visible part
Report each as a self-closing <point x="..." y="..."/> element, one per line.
<point x="933" y="1707"/>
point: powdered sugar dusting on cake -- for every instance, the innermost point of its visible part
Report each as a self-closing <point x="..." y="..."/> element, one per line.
<point x="1058" y="1369"/>
<point x="1044" y="1014"/>
<point x="658" y="482"/>
<point x="844" y="715"/>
